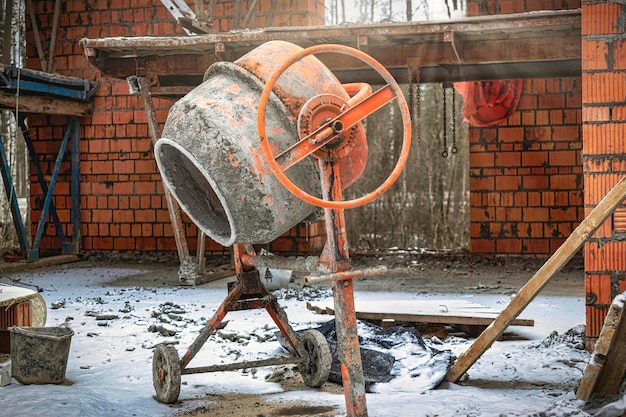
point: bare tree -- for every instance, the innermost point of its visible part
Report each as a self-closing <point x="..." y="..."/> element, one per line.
<point x="13" y="46"/>
<point x="429" y="204"/>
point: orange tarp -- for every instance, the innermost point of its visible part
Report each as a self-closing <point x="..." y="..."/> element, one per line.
<point x="489" y="102"/>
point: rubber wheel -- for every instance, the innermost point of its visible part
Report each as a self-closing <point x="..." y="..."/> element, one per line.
<point x="316" y="358"/>
<point x="166" y="373"/>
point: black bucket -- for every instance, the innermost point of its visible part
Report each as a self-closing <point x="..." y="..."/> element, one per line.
<point x="39" y="354"/>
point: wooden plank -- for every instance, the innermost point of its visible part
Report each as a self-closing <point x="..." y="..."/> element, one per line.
<point x="590" y="377"/>
<point x="172" y="205"/>
<point x="214" y="276"/>
<point x="538" y="38"/>
<point x="427" y="312"/>
<point x="529" y="291"/>
<point x="33" y="22"/>
<point x="615" y="367"/>
<point x="606" y="368"/>
<point x="44" y="105"/>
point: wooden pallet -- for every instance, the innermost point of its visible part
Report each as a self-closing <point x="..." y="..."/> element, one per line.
<point x="463" y="315"/>
<point x="607" y="367"/>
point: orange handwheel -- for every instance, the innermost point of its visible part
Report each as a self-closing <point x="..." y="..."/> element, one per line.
<point x="328" y="135"/>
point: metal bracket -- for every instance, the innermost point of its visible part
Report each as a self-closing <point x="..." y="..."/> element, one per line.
<point x="454" y="41"/>
<point x="220" y="51"/>
<point x="362" y="42"/>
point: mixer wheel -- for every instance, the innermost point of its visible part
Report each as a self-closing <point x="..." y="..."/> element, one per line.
<point x="328" y="132"/>
<point x="316" y="358"/>
<point x="166" y="373"/>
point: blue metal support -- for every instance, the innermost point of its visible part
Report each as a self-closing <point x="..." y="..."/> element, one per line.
<point x="32" y="82"/>
<point x="32" y="252"/>
<point x="40" y="83"/>
<point x="71" y="132"/>
<point x="40" y="176"/>
<point x="9" y="188"/>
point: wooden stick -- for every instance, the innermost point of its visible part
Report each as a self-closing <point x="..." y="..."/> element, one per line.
<point x="172" y="205"/>
<point x="50" y="67"/>
<point x="33" y="21"/>
<point x="529" y="291"/>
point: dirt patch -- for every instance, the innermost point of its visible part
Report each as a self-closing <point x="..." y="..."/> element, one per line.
<point x="252" y="405"/>
<point x="460" y="273"/>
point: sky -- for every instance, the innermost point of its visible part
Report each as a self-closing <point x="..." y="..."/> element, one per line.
<point x="358" y="11"/>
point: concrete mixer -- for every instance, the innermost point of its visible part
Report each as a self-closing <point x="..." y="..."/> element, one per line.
<point x="264" y="143"/>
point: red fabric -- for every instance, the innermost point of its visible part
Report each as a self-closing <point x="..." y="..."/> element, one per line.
<point x="489" y="102"/>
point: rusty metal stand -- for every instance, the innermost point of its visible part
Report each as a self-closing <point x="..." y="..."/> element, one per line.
<point x="335" y="258"/>
<point x="312" y="353"/>
<point x="247" y="293"/>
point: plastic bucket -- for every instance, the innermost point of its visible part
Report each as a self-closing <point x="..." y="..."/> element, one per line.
<point x="39" y="354"/>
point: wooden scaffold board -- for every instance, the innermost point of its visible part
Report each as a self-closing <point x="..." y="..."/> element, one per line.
<point x="606" y="368"/>
<point x="461" y="314"/>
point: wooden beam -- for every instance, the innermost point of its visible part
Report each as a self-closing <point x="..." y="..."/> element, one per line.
<point x="45" y="105"/>
<point x="417" y="311"/>
<point x="251" y="12"/>
<point x="529" y="291"/>
<point x="33" y="21"/>
<point x="605" y="370"/>
<point x="50" y="67"/>
<point x="547" y="37"/>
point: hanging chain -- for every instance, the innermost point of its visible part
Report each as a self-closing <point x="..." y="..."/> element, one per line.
<point x="454" y="148"/>
<point x="411" y="82"/>
<point x="444" y="153"/>
<point x="414" y="103"/>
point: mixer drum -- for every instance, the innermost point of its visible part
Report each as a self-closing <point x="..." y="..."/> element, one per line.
<point x="210" y="156"/>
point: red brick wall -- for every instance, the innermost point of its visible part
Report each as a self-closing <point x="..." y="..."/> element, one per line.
<point x="287" y="13"/>
<point x="122" y="202"/>
<point x="604" y="151"/>
<point x="526" y="172"/>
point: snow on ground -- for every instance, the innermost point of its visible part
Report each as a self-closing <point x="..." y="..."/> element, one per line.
<point x="109" y="371"/>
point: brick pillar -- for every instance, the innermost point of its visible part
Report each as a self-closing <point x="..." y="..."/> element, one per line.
<point x="604" y="152"/>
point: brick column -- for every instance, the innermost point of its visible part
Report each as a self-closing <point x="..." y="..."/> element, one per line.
<point x="604" y="152"/>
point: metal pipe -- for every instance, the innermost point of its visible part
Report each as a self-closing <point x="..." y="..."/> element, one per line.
<point x="242" y="365"/>
<point x="345" y="275"/>
<point x="296" y="263"/>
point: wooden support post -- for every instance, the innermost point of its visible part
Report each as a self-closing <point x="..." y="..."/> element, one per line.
<point x="172" y="205"/>
<point x="237" y="15"/>
<point x="269" y="17"/>
<point x="200" y="258"/>
<point x="529" y="291"/>
<point x="53" y="41"/>
<point x="251" y="11"/>
<point x="33" y="21"/>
